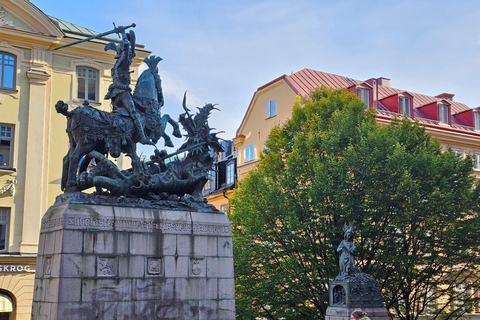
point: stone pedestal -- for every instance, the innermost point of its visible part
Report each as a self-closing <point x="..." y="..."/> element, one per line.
<point x="114" y="262"/>
<point x="343" y="313"/>
<point x="355" y="291"/>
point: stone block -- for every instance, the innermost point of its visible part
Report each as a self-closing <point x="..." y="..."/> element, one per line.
<point x="71" y="265"/>
<point x="170" y="244"/>
<point x="41" y="311"/>
<point x="176" y="267"/>
<point x="146" y="244"/>
<point x="154" y="266"/>
<point x="49" y="245"/>
<point x="144" y="310"/>
<point x="212" y="288"/>
<point x="219" y="267"/>
<point x="70" y="241"/>
<point x="197" y="267"/>
<point x="226" y="289"/>
<point x="70" y="290"/>
<point x="153" y="289"/>
<point x="112" y="290"/>
<point x="205" y="246"/>
<point x="99" y="242"/>
<point x="227" y="309"/>
<point x="225" y="247"/>
<point x="121" y="242"/>
<point x="107" y="267"/>
<point x="184" y="245"/>
<point x="136" y="267"/>
<point x="50" y="289"/>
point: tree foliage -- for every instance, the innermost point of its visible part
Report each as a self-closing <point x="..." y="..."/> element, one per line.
<point x="414" y="206"/>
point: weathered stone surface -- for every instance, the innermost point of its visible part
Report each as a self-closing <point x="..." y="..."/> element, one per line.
<point x="340" y="313"/>
<point x="133" y="263"/>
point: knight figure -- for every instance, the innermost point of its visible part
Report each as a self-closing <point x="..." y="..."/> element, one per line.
<point x="119" y="91"/>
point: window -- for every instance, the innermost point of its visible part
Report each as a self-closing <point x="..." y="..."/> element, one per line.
<point x="404" y="107"/>
<point x="4" y="227"/>
<point x="476" y="120"/>
<point x="271" y="108"/>
<point x="210" y="185"/>
<point x="476" y="161"/>
<point x="458" y="153"/>
<point x="6" y="145"/>
<point x="224" y="208"/>
<point x="249" y="152"/>
<point x="87" y="83"/>
<point x="364" y="95"/>
<point x="8" y="71"/>
<point x="230" y="173"/>
<point x="443" y="113"/>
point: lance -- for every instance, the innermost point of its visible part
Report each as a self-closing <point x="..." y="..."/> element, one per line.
<point x="116" y="30"/>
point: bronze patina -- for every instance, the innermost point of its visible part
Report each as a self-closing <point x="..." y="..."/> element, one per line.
<point x="136" y="118"/>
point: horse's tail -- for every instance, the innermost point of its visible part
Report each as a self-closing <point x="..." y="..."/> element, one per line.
<point x="62" y="108"/>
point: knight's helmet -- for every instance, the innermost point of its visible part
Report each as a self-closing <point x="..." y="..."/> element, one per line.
<point x="149" y="85"/>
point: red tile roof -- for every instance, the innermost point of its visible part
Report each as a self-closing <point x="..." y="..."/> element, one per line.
<point x="306" y="80"/>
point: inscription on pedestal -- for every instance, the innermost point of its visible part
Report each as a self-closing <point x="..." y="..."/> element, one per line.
<point x="82" y="222"/>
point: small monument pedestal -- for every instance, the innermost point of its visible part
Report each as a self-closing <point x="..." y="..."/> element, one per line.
<point x="357" y="291"/>
<point x="353" y="289"/>
<point x="116" y="262"/>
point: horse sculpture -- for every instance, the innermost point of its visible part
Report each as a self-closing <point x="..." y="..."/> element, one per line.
<point x="115" y="132"/>
<point x="180" y="177"/>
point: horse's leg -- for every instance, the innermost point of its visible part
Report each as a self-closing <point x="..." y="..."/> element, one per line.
<point x="66" y="163"/>
<point x="74" y="159"/>
<point x="176" y="127"/>
<point x="163" y="125"/>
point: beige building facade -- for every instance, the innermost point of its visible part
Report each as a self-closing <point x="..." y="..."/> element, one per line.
<point x="454" y="124"/>
<point x="32" y="135"/>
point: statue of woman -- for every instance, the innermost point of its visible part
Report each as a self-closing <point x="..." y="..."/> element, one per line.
<point x="347" y="249"/>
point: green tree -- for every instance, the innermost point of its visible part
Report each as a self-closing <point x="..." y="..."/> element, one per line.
<point x="414" y="206"/>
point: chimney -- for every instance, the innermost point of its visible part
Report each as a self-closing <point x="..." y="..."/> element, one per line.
<point x="384" y="82"/>
<point x="446" y="96"/>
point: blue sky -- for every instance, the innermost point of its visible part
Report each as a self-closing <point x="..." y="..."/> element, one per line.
<point x="222" y="51"/>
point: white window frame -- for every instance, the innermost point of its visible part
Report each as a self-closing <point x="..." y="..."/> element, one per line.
<point x="249" y="152"/>
<point x="443" y="112"/>
<point x="458" y="153"/>
<point x="405" y="106"/>
<point x="271" y="108"/>
<point x="7" y="133"/>
<point x="476" y="161"/>
<point x="224" y="208"/>
<point x="364" y="95"/>
<point x="12" y="62"/>
<point x="230" y="173"/>
<point x="476" y="120"/>
<point x="88" y="80"/>
<point x="5" y="214"/>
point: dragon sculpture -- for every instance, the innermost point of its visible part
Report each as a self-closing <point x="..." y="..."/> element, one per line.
<point x="96" y="134"/>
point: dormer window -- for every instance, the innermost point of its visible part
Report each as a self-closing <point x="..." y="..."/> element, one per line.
<point x="443" y="113"/>
<point x="404" y="106"/>
<point x="476" y="120"/>
<point x="364" y="95"/>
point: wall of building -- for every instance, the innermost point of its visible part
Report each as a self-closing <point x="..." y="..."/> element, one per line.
<point x="256" y="127"/>
<point x="31" y="183"/>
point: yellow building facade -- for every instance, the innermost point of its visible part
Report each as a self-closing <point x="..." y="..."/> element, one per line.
<point x="272" y="104"/>
<point x="32" y="135"/>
